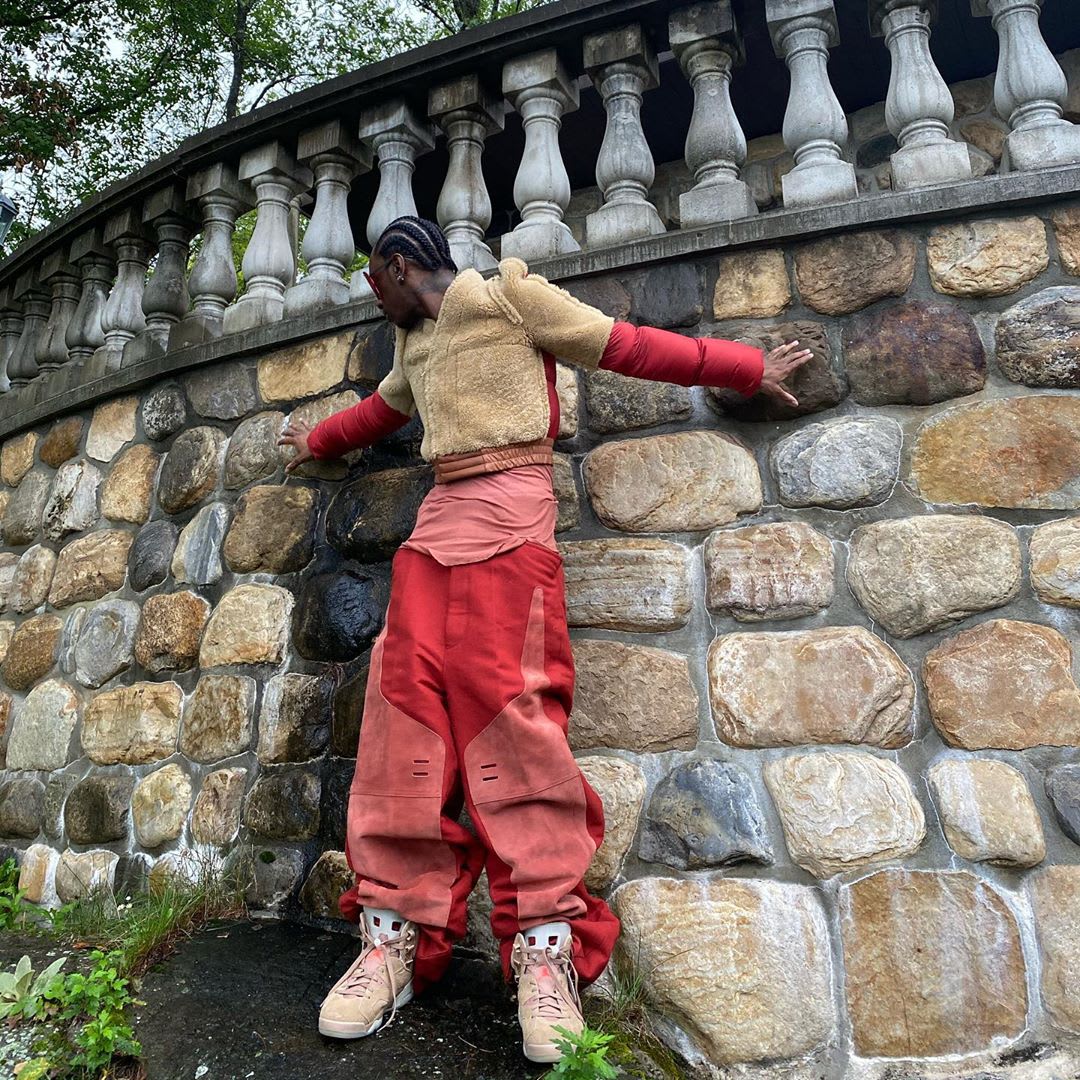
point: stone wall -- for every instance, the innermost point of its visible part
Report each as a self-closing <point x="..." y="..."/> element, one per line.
<point x="825" y="676"/>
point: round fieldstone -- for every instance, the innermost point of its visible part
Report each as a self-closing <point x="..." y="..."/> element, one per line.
<point x="32" y="578"/>
<point x="329" y="878"/>
<point x="69" y="636"/>
<point x="96" y="811"/>
<point x="705" y="814"/>
<point x="17" y="457"/>
<point x="273" y="878"/>
<point x="164" y="412"/>
<point x="338" y="615"/>
<point x="1038" y="339"/>
<point x="369" y="518"/>
<point x="81" y="874"/>
<point x="21" y="523"/>
<point x="56" y="792"/>
<point x="844" y="273"/>
<point x="1013" y="452"/>
<point x="250" y="625"/>
<point x="913" y="353"/>
<point x="90" y="567"/>
<point x="22" y="805"/>
<point x="986" y="258"/>
<point x="844" y="810"/>
<point x="9" y="562"/>
<point x="1066" y="222"/>
<point x="337" y="778"/>
<point x="32" y="651"/>
<point x="371" y="353"/>
<point x="272" y="530"/>
<point x="37" y="874"/>
<point x="919" y="574"/>
<point x="1004" y="684"/>
<point x="111" y="426"/>
<point x="312" y="412"/>
<point x="783" y="570"/>
<point x="197" y="558"/>
<point x="838" y="464"/>
<point x="672" y="483"/>
<point x="218" y="806"/>
<point x="294" y="723"/>
<point x="106" y="643"/>
<point x="159" y="806"/>
<point x="300" y="371"/>
<point x="192" y="468"/>
<point x="972" y="96"/>
<point x="621" y="787"/>
<point x="132" y="725"/>
<point x="347" y="714"/>
<point x="252" y="454"/>
<point x="62" y="441"/>
<point x="284" y="805"/>
<point x="987" y="812"/>
<point x="566" y="389"/>
<point x="6" y="703"/>
<point x="620" y="403"/>
<point x="565" y="489"/>
<point x="72" y="502"/>
<point x="1055" y="562"/>
<point x="760" y="984"/>
<point x="221" y="391"/>
<point x="42" y="729"/>
<point x="150" y="554"/>
<point x="218" y="718"/>
<point x="818" y="384"/>
<point x="986" y="135"/>
<point x="635" y="585"/>
<point x="670" y="296"/>
<point x="129" y="489"/>
<point x="1063" y="791"/>
<point x="1055" y="900"/>
<point x="934" y="964"/>
<point x="170" y="630"/>
<point x="751" y="285"/>
<point x="839" y="684"/>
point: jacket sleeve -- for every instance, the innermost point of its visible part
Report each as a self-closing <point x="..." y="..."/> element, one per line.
<point x="553" y="320"/>
<point x="645" y="352"/>
<point x="360" y="425"/>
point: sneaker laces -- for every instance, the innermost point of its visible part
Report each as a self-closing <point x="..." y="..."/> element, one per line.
<point x="360" y="978"/>
<point x="544" y="964"/>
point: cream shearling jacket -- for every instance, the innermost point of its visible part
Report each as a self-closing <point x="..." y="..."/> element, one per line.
<point x="476" y="373"/>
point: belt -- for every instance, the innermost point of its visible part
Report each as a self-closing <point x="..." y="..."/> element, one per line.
<point x="450" y="467"/>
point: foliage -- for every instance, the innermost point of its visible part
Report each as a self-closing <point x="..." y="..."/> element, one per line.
<point x="23" y="994"/>
<point x="584" y="1056"/>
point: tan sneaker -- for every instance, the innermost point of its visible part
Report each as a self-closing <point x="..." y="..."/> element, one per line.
<point x="378" y="982"/>
<point x="547" y="989"/>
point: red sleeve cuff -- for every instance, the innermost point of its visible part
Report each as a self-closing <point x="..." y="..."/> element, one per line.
<point x="360" y="425"/>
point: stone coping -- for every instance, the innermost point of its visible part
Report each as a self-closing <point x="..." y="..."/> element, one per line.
<point x="23" y="407"/>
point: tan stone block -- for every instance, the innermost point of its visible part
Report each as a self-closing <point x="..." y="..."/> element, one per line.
<point x="565" y="488"/>
<point x="133" y="724"/>
<point x="672" y="483"/>
<point x="159" y="805"/>
<point x="934" y="964"/>
<point x="37" y="874"/>
<point x="7" y="632"/>
<point x="272" y="530"/>
<point x="90" y="567"/>
<point x="782" y="570"/>
<point x="33" y="576"/>
<point x="32" y="651"/>
<point x="633" y="698"/>
<point x="621" y="787"/>
<point x="42" y="728"/>
<point x="1066" y="222"/>
<point x="839" y="684"/>
<point x="1055" y="562"/>
<point x="1004" y="684"/>
<point x="844" y="273"/>
<point x="62" y="441"/>
<point x="9" y="563"/>
<point x="112" y="425"/>
<point x="987" y="812"/>
<point x="312" y="412"/>
<point x="217" y="720"/>
<point x="17" y="457"/>
<point x="986" y="258"/>
<point x="986" y="135"/>
<point x="250" y="625"/>
<point x="85" y="873"/>
<point x="170" y="629"/>
<point x="329" y="878"/>
<point x="751" y="285"/>
<point x="566" y="387"/>
<point x="743" y="966"/>
<point x="129" y="488"/>
<point x="218" y="806"/>
<point x="1055" y="895"/>
<point x="627" y="584"/>
<point x="301" y="371"/>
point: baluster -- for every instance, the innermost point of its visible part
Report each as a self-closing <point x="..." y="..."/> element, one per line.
<point x="123" y="316"/>
<point x="708" y="46"/>
<point x="221" y="198"/>
<point x="542" y="91"/>
<point x="815" y="127"/>
<point x="919" y="107"/>
<point x="11" y="325"/>
<point x="622" y="66"/>
<point x="165" y="300"/>
<point x="468" y="113"/>
<point x="270" y="260"/>
<point x="63" y="282"/>
<point x="1029" y="89"/>
<point x="22" y="364"/>
<point x="84" y="333"/>
<point x="334" y="156"/>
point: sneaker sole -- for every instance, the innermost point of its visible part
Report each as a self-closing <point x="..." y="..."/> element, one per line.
<point x="342" y="1029"/>
<point x="541" y="1053"/>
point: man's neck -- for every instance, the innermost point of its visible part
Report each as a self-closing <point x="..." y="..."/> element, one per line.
<point x="430" y="292"/>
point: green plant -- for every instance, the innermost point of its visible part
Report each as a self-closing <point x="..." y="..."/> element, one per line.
<point x="584" y="1056"/>
<point x="21" y="993"/>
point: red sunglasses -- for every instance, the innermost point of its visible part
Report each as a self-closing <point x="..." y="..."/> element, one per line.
<point x="370" y="279"/>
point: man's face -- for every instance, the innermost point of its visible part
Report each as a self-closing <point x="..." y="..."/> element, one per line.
<point x="396" y="300"/>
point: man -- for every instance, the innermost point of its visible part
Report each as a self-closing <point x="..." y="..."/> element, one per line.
<point x="471" y="678"/>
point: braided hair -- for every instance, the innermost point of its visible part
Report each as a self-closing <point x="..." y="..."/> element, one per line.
<point x="419" y="240"/>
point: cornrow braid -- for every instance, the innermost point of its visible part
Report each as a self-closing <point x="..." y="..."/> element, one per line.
<point x="417" y="239"/>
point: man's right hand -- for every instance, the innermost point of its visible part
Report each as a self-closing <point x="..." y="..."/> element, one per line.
<point x="779" y="364"/>
<point x="295" y="434"/>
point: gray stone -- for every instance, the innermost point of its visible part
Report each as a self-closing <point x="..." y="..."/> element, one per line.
<point x="294" y="723"/>
<point x="22" y="805"/>
<point x="562" y="482"/>
<point x="164" y="412"/>
<point x="42" y="729"/>
<point x="69" y="637"/>
<point x="32" y="579"/>
<point x="1038" y="339"/>
<point x="72" y="503"/>
<point x="221" y="391"/>
<point x="253" y="454"/>
<point x="329" y="878"/>
<point x="197" y="558"/>
<point x="705" y="814"/>
<point x="619" y="403"/>
<point x="284" y="805"/>
<point x="22" y="518"/>
<point x="106" y="642"/>
<point x="215" y="818"/>
<point x="348" y="712"/>
<point x="111" y="426"/>
<point x="9" y="563"/>
<point x="191" y="470"/>
<point x="1063" y="790"/>
<point x="151" y="553"/>
<point x="839" y="463"/>
<point x="56" y="792"/>
<point x="667" y="296"/>
<point x="274" y="877"/>
<point x="97" y="809"/>
<point x="338" y="615"/>
<point x="369" y="518"/>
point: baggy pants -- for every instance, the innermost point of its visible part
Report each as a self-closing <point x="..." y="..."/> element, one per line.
<point x="469" y="689"/>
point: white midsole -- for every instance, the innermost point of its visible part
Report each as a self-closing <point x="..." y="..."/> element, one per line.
<point x="343" y="1029"/>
